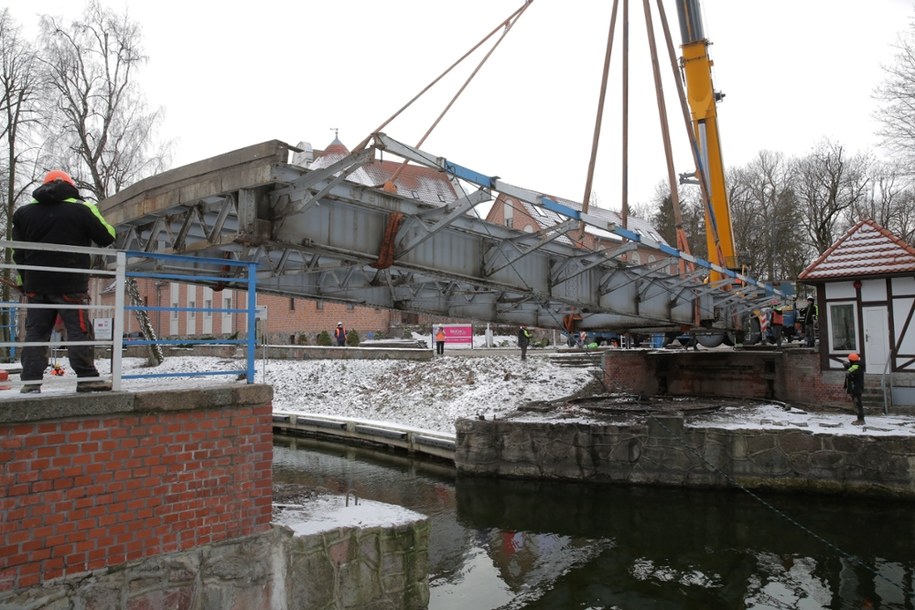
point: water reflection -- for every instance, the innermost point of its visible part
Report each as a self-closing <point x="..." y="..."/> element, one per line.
<point x="540" y="545"/>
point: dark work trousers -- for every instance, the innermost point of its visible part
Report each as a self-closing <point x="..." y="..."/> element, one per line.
<point x="810" y="334"/>
<point x="440" y="348"/>
<point x="859" y="405"/>
<point x="38" y="326"/>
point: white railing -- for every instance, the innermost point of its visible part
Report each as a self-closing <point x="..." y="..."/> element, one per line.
<point x="166" y="267"/>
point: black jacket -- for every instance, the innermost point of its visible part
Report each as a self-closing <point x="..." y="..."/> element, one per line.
<point x="58" y="215"/>
<point x="854" y="378"/>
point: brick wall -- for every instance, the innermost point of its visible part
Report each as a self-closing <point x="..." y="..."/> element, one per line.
<point x="94" y="482"/>
<point x="793" y="376"/>
<point x="287" y="318"/>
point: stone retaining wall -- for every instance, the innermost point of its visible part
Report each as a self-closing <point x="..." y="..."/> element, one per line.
<point x="345" y="569"/>
<point x="665" y="451"/>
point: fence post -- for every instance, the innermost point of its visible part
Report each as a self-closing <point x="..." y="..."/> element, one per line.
<point x="117" y="339"/>
<point x="252" y="319"/>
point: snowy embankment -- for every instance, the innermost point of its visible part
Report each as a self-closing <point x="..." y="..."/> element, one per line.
<point x="429" y="395"/>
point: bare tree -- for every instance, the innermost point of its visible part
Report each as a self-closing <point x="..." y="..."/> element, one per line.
<point x="20" y="89"/>
<point x="828" y="183"/>
<point x="766" y="218"/>
<point x="896" y="93"/>
<point x="890" y="201"/>
<point x="102" y="127"/>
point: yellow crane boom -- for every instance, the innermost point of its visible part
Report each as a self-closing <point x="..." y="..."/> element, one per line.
<point x="702" y="99"/>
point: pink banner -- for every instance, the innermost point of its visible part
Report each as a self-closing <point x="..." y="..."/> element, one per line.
<point x="457" y="333"/>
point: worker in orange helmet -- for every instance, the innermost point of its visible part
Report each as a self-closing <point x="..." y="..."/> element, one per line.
<point x="58" y="214"/>
<point x="854" y="384"/>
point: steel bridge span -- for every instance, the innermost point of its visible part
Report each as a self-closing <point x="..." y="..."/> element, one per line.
<point x="318" y="234"/>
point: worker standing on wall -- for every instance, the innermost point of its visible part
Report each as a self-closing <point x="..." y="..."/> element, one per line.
<point x="809" y="318"/>
<point x="778" y="323"/>
<point x="58" y="214"/>
<point x="854" y="385"/>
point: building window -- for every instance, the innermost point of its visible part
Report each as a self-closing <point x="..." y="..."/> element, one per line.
<point x="843" y="322"/>
<point x="192" y="314"/>
<point x="291" y="303"/>
<point x="350" y="307"/>
<point x="208" y="305"/>
<point x="319" y="305"/>
<point x="174" y="310"/>
<point x="509" y="212"/>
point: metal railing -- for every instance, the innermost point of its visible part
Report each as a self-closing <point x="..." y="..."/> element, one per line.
<point x="171" y="267"/>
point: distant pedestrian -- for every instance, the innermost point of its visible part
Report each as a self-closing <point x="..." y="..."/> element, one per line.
<point x="582" y="339"/>
<point x="524" y="339"/>
<point x="340" y="334"/>
<point x="809" y="320"/>
<point x="854" y="384"/>
<point x="440" y="341"/>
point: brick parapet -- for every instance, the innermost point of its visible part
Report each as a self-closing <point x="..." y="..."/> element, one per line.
<point x="95" y="481"/>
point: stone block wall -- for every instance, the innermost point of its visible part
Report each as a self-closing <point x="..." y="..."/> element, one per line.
<point x="346" y="568"/>
<point x="355" y="568"/>
<point x="94" y="481"/>
<point x="665" y="451"/>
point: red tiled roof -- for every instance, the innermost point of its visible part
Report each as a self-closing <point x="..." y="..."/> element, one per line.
<point x="416" y="182"/>
<point x="866" y="249"/>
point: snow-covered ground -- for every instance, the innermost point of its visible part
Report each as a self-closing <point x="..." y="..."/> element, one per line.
<point x="431" y="395"/>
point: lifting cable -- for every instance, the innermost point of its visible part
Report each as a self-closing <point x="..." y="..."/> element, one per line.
<point x="386" y="254"/>
<point x="595" y="139"/>
<point x="502" y="24"/>
<point x="506" y="28"/>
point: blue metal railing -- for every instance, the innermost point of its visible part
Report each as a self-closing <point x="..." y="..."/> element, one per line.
<point x="226" y="273"/>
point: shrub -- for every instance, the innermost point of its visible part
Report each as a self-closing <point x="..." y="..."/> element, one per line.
<point x="324" y="339"/>
<point x="352" y="338"/>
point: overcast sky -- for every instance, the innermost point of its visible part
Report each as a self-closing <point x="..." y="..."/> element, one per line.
<point x="231" y="75"/>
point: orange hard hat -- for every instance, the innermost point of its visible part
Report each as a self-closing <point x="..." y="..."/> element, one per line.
<point x="853" y="357"/>
<point x="57" y="174"/>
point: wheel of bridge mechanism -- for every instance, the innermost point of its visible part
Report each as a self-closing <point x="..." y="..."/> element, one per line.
<point x="711" y="338"/>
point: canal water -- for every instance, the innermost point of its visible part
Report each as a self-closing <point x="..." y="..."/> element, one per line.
<point x="558" y="546"/>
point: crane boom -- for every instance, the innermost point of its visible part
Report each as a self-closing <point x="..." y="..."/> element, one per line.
<point x="702" y="100"/>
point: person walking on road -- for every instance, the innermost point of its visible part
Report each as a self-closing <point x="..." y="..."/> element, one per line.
<point x="854" y="384"/>
<point x="340" y="335"/>
<point x="58" y="214"/>
<point x="440" y="341"/>
<point x="524" y="339"/>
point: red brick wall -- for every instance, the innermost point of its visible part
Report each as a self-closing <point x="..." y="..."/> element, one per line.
<point x="304" y="317"/>
<point x="792" y="376"/>
<point x="83" y="493"/>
